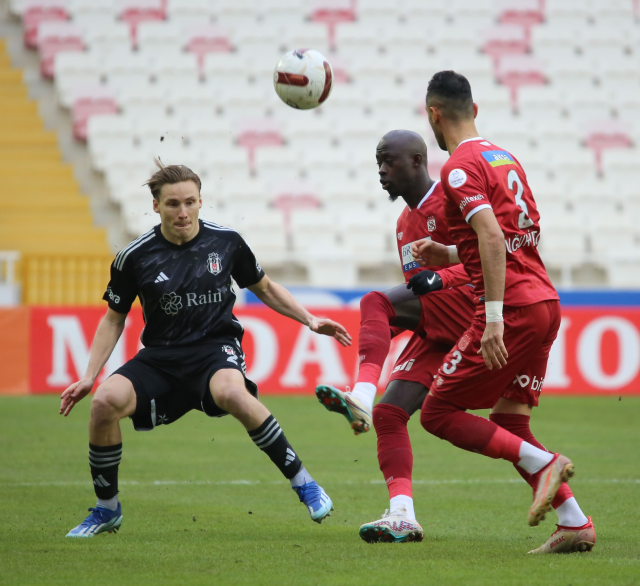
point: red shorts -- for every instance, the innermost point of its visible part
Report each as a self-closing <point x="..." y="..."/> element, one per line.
<point x="446" y="315"/>
<point x="529" y="331"/>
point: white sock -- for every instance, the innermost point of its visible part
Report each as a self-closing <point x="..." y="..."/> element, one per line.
<point x="570" y="514"/>
<point x="366" y="392"/>
<point x="302" y="477"/>
<point x="403" y="501"/>
<point x="111" y="504"/>
<point x="533" y="459"/>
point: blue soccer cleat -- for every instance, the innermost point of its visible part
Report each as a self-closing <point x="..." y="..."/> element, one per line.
<point x="99" y="521"/>
<point x="316" y="500"/>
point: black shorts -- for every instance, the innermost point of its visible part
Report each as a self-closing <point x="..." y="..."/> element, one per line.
<point x="171" y="381"/>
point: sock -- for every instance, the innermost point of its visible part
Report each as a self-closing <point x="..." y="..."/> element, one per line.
<point x="374" y="338"/>
<point x="469" y="432"/>
<point x="395" y="456"/>
<point x="301" y="478"/>
<point x="270" y="438"/>
<point x="111" y="504"/>
<point x="403" y="501"/>
<point x="533" y="459"/>
<point x="570" y="514"/>
<point x="519" y="425"/>
<point x="366" y="392"/>
<point x="104" y="462"/>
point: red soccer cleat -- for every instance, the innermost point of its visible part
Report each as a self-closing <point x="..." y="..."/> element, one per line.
<point x="570" y="539"/>
<point x="559" y="470"/>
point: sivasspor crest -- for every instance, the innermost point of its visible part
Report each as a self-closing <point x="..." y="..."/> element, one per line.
<point x="213" y="263"/>
<point x="431" y="223"/>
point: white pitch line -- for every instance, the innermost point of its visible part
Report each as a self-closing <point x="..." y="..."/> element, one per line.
<point x="255" y="482"/>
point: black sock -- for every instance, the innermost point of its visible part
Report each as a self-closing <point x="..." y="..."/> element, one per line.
<point x="270" y="438"/>
<point x="104" y="461"/>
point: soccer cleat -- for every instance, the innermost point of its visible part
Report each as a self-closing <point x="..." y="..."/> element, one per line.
<point x="99" y="521"/>
<point x="316" y="499"/>
<point x="394" y="527"/>
<point x="570" y="539"/>
<point x="337" y="401"/>
<point x="559" y="470"/>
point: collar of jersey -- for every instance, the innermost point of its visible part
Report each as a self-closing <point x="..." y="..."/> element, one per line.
<point x="426" y="197"/>
<point x="471" y="139"/>
<point x="184" y="246"/>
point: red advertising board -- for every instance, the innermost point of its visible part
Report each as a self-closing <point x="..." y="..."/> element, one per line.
<point x="597" y="350"/>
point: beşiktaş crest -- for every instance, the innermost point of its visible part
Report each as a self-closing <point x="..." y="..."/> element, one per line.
<point x="213" y="263"/>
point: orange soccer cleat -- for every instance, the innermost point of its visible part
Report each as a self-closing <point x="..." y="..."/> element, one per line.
<point x="570" y="539"/>
<point x="551" y="477"/>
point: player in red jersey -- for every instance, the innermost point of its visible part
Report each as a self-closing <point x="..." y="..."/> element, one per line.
<point x="500" y="361"/>
<point x="437" y="320"/>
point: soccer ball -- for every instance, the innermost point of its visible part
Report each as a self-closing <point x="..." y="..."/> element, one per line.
<point x="303" y="79"/>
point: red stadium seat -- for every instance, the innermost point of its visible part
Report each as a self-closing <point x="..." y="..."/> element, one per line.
<point x="523" y="12"/>
<point x="515" y="71"/>
<point x="506" y="39"/>
<point x="56" y="37"/>
<point x="258" y="133"/>
<point x="133" y="12"/>
<point x="331" y="12"/>
<point x="205" y="39"/>
<point x="37" y="11"/>
<point x="606" y="134"/>
<point x="292" y="196"/>
<point x="89" y="101"/>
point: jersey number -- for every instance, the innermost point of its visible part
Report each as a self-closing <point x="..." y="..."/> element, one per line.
<point x="523" y="219"/>
<point x="451" y="368"/>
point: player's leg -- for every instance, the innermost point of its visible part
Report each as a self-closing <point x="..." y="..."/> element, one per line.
<point x="114" y="399"/>
<point x="402" y="398"/>
<point x="398" y="307"/>
<point x="463" y="382"/>
<point x="229" y="392"/>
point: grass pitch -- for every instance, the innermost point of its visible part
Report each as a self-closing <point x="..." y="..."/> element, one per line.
<point x="203" y="506"/>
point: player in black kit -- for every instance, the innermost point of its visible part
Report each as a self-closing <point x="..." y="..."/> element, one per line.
<point x="182" y="270"/>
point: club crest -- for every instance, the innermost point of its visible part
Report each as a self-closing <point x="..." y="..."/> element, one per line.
<point x="400" y="235"/>
<point x="213" y="263"/>
<point x="431" y="223"/>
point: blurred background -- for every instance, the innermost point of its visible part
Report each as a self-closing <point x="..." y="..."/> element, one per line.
<point x="92" y="90"/>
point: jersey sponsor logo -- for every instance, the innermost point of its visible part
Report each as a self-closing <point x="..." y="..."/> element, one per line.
<point x="431" y="223"/>
<point x="115" y="298"/>
<point x="404" y="366"/>
<point x="531" y="238"/>
<point x="498" y="158"/>
<point x="171" y="303"/>
<point x="214" y="266"/>
<point x="408" y="263"/>
<point x="457" y="178"/>
<point x="523" y="380"/>
<point x="469" y="199"/>
<point x="203" y="298"/>
<point x="400" y="235"/>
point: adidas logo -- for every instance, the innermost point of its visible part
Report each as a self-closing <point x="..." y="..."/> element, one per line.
<point x="291" y="456"/>
<point x="101" y="482"/>
<point x="161" y="277"/>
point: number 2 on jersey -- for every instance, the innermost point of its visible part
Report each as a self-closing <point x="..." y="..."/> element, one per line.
<point x="523" y="219"/>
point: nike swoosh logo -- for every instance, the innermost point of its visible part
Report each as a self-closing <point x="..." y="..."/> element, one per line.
<point x="431" y="280"/>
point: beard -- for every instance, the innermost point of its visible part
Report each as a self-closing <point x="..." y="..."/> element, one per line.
<point x="393" y="197"/>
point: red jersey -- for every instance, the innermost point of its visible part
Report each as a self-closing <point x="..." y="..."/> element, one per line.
<point x="427" y="221"/>
<point x="480" y="175"/>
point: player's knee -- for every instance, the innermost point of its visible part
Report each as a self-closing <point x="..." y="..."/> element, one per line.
<point x="388" y="418"/>
<point x="232" y="398"/>
<point x="373" y="301"/>
<point x="431" y="418"/>
<point x="105" y="406"/>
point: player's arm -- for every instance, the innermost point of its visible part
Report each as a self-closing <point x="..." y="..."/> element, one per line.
<point x="428" y="281"/>
<point x="427" y="252"/>
<point x="107" y="335"/>
<point x="279" y="299"/>
<point x="493" y="257"/>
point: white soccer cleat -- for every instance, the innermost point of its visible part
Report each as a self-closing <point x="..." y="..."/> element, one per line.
<point x="357" y="413"/>
<point x="395" y="527"/>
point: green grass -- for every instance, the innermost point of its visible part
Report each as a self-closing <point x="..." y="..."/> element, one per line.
<point x="196" y="528"/>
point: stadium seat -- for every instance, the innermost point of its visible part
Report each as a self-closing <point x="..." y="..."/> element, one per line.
<point x="307" y="34"/>
<point x="227" y="68"/>
<point x="313" y="230"/>
<point x="159" y="37"/>
<point x="277" y="163"/>
<point x="91" y="9"/>
<point x="107" y="135"/>
<point x="254" y="133"/>
<point x="526" y="13"/>
<point x="56" y="37"/>
<point x="88" y="101"/>
<point x="146" y="100"/>
<point x="331" y="13"/>
<point x="101" y="35"/>
<point x="266" y="234"/>
<point x="191" y="101"/>
<point x="72" y="70"/>
<point x="515" y="71"/>
<point x="505" y="39"/>
<point x="606" y="134"/>
<point x="620" y="165"/>
<point x="179" y="69"/>
<point x="40" y="11"/>
<point x="135" y="12"/>
<point x="125" y="69"/>
<point x="542" y="101"/>
<point x="189" y="12"/>
<point x="202" y="39"/>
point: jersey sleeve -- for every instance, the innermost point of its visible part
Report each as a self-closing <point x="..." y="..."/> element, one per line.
<point x="246" y="271"/>
<point x="122" y="289"/>
<point x="454" y="276"/>
<point x="465" y="186"/>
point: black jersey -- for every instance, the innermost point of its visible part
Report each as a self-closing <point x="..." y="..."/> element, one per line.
<point x="185" y="290"/>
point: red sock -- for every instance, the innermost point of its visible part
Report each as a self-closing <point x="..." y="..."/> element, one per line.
<point x="467" y="431"/>
<point x="394" y="448"/>
<point x="519" y="425"/>
<point x="374" y="339"/>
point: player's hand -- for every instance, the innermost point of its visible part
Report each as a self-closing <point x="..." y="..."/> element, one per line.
<point x="425" y="282"/>
<point x="492" y="347"/>
<point x="429" y="253"/>
<point x="331" y="328"/>
<point x="74" y="393"/>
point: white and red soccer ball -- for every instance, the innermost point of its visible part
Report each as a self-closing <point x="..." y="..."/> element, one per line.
<point x="303" y="79"/>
